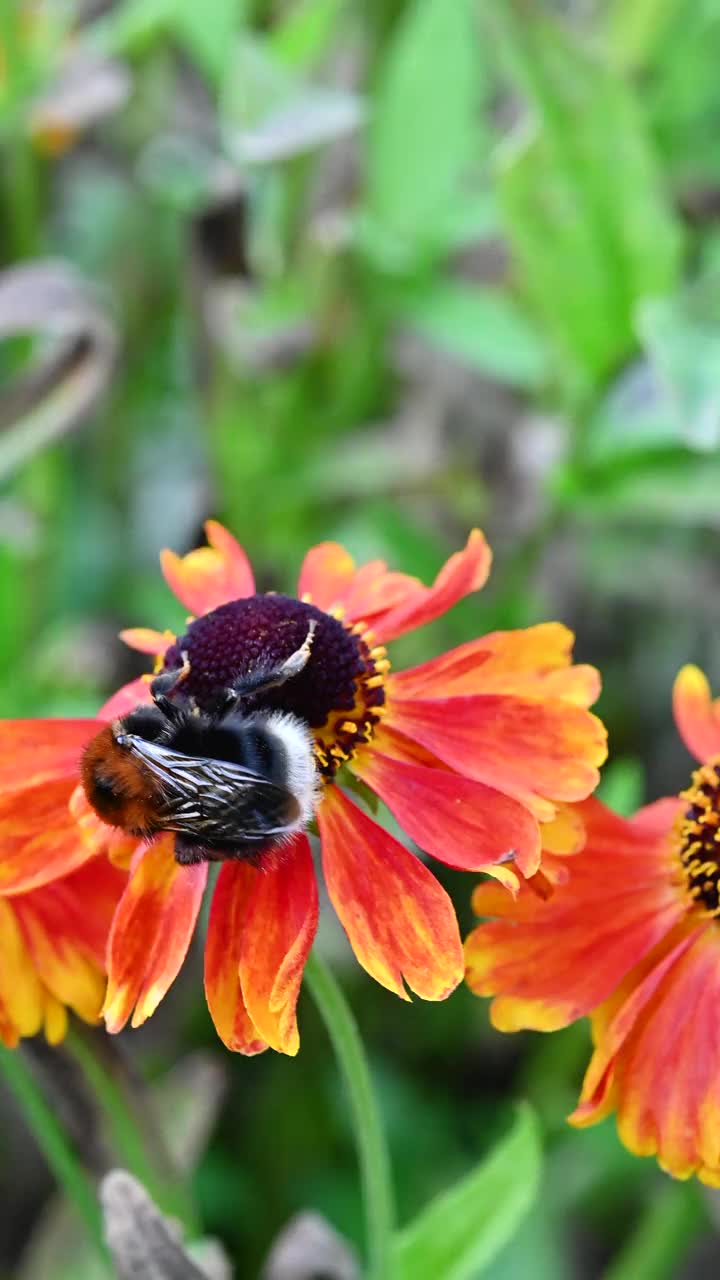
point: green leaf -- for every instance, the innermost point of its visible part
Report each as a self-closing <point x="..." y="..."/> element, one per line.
<point x="634" y="30"/>
<point x="303" y="37"/>
<point x="461" y="1231"/>
<point x="481" y="327"/>
<point x="424" y="131"/>
<point x="208" y="31"/>
<point x="590" y="228"/>
<point x="674" y="487"/>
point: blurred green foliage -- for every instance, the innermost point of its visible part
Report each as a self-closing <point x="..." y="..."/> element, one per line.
<point x="376" y="273"/>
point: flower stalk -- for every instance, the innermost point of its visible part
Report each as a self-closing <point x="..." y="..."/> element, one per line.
<point x="369" y="1137"/>
<point x="52" y="1141"/>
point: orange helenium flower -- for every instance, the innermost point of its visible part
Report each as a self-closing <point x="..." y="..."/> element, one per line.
<point x="631" y="937"/>
<point x="56" y="903"/>
<point x="472" y="752"/>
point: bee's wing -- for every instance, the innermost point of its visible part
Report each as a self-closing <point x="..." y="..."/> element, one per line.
<point x="215" y="798"/>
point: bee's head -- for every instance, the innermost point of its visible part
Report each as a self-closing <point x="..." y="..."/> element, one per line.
<point x="116" y="784"/>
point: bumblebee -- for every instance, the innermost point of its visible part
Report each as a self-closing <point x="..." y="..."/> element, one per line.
<point x="228" y="784"/>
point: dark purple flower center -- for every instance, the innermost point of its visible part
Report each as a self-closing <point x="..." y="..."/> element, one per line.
<point x="339" y="693"/>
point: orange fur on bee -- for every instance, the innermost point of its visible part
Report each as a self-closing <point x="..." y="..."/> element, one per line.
<point x="120" y="789"/>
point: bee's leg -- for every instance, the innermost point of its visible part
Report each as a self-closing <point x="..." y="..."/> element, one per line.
<point x="165" y="685"/>
<point x="262" y="679"/>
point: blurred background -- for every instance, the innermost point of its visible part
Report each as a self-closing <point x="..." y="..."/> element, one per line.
<point x="372" y="272"/>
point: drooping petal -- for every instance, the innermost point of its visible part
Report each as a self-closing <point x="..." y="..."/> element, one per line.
<point x="151" y="933"/>
<point x="666" y="1067"/>
<point x="280" y="926"/>
<point x="37" y="751"/>
<point x="212" y="575"/>
<point x="400" y="922"/>
<point x="326" y="574"/>
<point x="549" y="962"/>
<point x="461" y="822"/>
<point x="145" y="640"/>
<point x="613" y="1021"/>
<point x="535" y="662"/>
<point x="696" y="715"/>
<point x="222" y="958"/>
<point x="125" y="700"/>
<point x="40" y="840"/>
<point x="464" y="572"/>
<point x="66" y="925"/>
<point x="22" y="1006"/>
<point x="533" y="749"/>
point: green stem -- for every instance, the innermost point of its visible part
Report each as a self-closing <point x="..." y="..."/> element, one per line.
<point x="52" y="1141"/>
<point x="669" y="1226"/>
<point x="134" y="1136"/>
<point x="369" y="1137"/>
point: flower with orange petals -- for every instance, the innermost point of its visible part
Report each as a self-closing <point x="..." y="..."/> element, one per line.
<point x="56" y="902"/>
<point x="631" y="937"/>
<point x="475" y="753"/>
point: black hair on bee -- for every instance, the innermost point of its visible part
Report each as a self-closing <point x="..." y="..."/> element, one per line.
<point x="227" y="783"/>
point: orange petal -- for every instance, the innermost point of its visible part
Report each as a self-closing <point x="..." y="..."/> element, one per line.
<point x="126" y="699"/>
<point x="535" y="750"/>
<point x="222" y="958"/>
<point x="464" y="572"/>
<point x="667" y="1069"/>
<point x="462" y="823"/>
<point x="280" y="925"/>
<point x="565" y="833"/>
<point x="212" y="575"/>
<point x="551" y="961"/>
<point x="696" y="715"/>
<point x="151" y="933"/>
<point x="534" y="661"/>
<point x="399" y="920"/>
<point x="66" y="926"/>
<point x="326" y="574"/>
<point x="145" y="640"/>
<point x="37" y="751"/>
<point x="40" y="840"/>
<point x="22" y="1002"/>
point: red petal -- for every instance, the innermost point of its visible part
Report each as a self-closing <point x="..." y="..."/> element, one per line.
<point x="209" y="576"/>
<point x="126" y="699"/>
<point x="530" y="749"/>
<point x="462" y="823"/>
<point x="151" y="933"/>
<point x="280" y="925"/>
<point x="399" y="920"/>
<point x="36" y="751"/>
<point x="222" y="958"/>
<point x="327" y="572"/>
<point x="40" y="840"/>
<point x="696" y="715"/>
<point x="550" y="962"/>
<point x="465" y="571"/>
